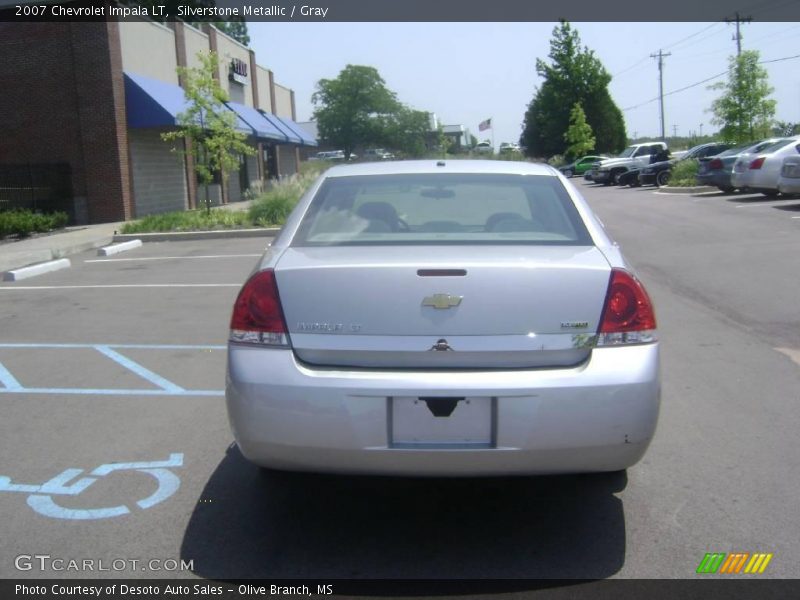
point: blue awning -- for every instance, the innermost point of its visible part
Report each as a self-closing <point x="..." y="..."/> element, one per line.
<point x="291" y="136"/>
<point x="264" y="129"/>
<point x="154" y="103"/>
<point x="306" y="138"/>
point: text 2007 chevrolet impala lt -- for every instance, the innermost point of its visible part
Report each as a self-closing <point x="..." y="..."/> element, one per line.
<point x="443" y="318"/>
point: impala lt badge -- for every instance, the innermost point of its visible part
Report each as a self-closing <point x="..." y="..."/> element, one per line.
<point x="441" y="301"/>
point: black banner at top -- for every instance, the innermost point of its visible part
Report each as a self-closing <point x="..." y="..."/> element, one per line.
<point x="400" y="10"/>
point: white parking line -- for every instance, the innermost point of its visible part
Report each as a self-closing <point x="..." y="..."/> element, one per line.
<point x="759" y="204"/>
<point x="108" y="260"/>
<point x="120" y="286"/>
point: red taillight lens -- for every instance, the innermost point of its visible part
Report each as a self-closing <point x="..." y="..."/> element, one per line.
<point x="715" y="164"/>
<point x="628" y="316"/>
<point x="756" y="164"/>
<point x="257" y="314"/>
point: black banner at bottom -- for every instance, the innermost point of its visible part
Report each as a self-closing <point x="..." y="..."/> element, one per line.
<point x="547" y="589"/>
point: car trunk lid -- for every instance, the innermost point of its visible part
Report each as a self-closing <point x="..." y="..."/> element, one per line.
<point x="442" y="306"/>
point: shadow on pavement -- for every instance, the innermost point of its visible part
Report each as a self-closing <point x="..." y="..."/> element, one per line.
<point x="789" y="207"/>
<point x="744" y="198"/>
<point x="256" y="524"/>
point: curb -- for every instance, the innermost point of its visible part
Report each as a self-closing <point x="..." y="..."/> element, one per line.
<point x="700" y="189"/>
<point x="117" y="248"/>
<point x="34" y="270"/>
<point x="182" y="236"/>
<point x="17" y="259"/>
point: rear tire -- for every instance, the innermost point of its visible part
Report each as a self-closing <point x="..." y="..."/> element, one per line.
<point x="770" y="195"/>
<point x="662" y="178"/>
<point x="727" y="190"/>
<point x="615" y="176"/>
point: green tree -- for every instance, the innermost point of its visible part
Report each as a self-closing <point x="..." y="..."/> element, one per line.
<point x="579" y="135"/>
<point x="404" y="130"/>
<point x="207" y="128"/>
<point x="744" y="111"/>
<point x="573" y="75"/>
<point x="355" y="108"/>
<point x="236" y="29"/>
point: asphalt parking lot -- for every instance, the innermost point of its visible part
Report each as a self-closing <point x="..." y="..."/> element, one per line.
<point x="114" y="442"/>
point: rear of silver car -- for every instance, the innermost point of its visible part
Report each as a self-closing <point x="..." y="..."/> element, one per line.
<point x="465" y="318"/>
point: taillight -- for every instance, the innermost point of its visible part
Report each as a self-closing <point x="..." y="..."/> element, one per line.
<point x="257" y="314"/>
<point x="628" y="316"/>
<point x="756" y="164"/>
<point x="715" y="164"/>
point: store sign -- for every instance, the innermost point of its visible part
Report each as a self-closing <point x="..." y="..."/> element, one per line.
<point x="238" y="71"/>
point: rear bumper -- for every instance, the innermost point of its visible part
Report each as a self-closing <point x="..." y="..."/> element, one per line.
<point x="601" y="176"/>
<point x="647" y="178"/>
<point x="788" y="185"/>
<point x="719" y="179"/>
<point x="599" y="416"/>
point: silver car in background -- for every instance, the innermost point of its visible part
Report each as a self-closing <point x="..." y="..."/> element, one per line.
<point x="789" y="179"/>
<point x="443" y="318"/>
<point x="759" y="171"/>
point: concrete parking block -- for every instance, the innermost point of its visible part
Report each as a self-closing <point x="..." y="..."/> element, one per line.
<point x="117" y="248"/>
<point x="34" y="270"/>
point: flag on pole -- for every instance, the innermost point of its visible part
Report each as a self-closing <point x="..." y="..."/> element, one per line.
<point x="484" y="125"/>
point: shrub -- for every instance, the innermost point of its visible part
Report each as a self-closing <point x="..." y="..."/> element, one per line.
<point x="23" y="222"/>
<point x="274" y="205"/>
<point x="190" y="220"/>
<point x="684" y="173"/>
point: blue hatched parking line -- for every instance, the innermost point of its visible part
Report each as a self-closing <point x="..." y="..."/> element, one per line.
<point x="10" y="385"/>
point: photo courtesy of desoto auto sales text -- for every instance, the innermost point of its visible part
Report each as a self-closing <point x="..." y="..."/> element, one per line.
<point x="382" y="298"/>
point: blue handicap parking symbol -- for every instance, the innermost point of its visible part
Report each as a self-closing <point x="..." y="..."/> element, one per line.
<point x="41" y="496"/>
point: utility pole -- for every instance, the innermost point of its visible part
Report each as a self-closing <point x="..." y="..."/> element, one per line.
<point x="674" y="131"/>
<point x="660" y="56"/>
<point x="738" y="37"/>
<point x="701" y="130"/>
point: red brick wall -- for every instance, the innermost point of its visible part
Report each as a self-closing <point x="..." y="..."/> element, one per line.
<point x="63" y="100"/>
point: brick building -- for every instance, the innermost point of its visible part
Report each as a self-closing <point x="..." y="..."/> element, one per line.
<point x="89" y="101"/>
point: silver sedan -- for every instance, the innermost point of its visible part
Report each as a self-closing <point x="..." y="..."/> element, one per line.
<point x="443" y="318"/>
<point x="759" y="171"/>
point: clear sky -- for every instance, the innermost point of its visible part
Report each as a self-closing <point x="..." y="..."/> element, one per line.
<point x="468" y="72"/>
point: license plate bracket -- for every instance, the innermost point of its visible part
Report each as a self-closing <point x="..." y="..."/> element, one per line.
<point x="431" y="422"/>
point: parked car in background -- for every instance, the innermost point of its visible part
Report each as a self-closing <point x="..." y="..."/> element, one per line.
<point x="716" y="171"/>
<point x="629" y="178"/>
<point x="377" y="154"/>
<point x="378" y="336"/>
<point x="789" y="178"/>
<point x="659" y="173"/>
<point x="633" y="157"/>
<point x="484" y="148"/>
<point x="509" y="148"/>
<point x="580" y="166"/>
<point x="759" y="171"/>
<point x="334" y="155"/>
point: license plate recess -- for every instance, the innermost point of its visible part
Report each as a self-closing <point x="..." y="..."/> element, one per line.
<point x="463" y="423"/>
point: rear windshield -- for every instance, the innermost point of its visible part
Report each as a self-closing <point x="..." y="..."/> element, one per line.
<point x="424" y="209"/>
<point x="776" y="146"/>
<point x="736" y="150"/>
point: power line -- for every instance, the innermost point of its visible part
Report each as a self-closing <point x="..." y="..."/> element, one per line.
<point x="688" y="37"/>
<point x="683" y="89"/>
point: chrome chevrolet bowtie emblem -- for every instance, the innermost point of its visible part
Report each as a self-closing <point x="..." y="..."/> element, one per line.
<point x="441" y="301"/>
